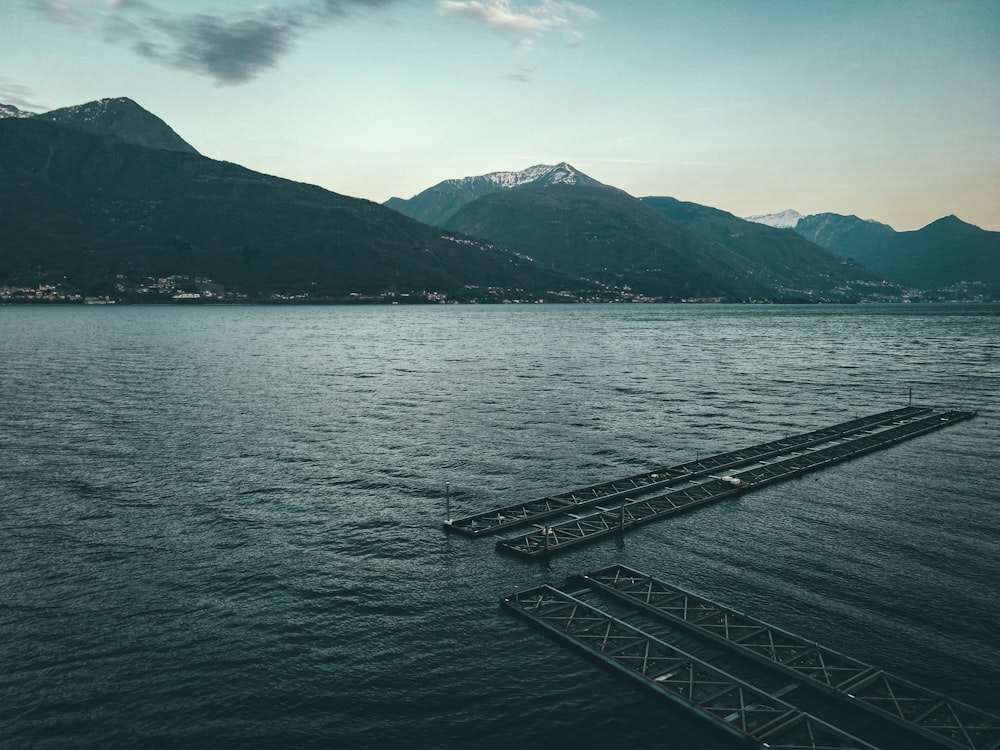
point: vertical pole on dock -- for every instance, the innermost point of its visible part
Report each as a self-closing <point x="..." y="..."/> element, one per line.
<point x="621" y="519"/>
<point x="447" y="501"/>
<point x="546" y="532"/>
<point x="911" y="396"/>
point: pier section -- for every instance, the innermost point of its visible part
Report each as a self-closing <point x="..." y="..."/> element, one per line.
<point x="532" y="511"/>
<point x="934" y="716"/>
<point x="616" y="514"/>
<point x="733" y="706"/>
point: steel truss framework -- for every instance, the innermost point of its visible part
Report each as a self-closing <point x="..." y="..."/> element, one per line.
<point x="730" y="704"/>
<point x="935" y="716"/>
<point x="519" y="514"/>
<point x="632" y="512"/>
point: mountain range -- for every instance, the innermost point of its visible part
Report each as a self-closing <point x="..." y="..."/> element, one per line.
<point x="946" y="258"/>
<point x="90" y="204"/>
<point x="105" y="198"/>
<point x="659" y="246"/>
<point x="557" y="215"/>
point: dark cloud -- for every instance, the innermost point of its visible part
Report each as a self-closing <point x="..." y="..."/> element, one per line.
<point x="19" y="96"/>
<point x="229" y="51"/>
<point x="232" y="49"/>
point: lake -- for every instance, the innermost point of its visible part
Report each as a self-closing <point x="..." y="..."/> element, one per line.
<point x="221" y="526"/>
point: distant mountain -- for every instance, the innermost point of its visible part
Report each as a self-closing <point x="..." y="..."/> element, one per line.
<point x="122" y="118"/>
<point x="9" y="110"/>
<point x="436" y="205"/>
<point x="836" y="232"/>
<point x="782" y="220"/>
<point x="781" y="259"/>
<point x="102" y="214"/>
<point x="946" y="253"/>
<point x="603" y="235"/>
<point x="562" y="218"/>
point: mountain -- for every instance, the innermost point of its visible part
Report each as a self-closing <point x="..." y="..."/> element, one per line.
<point x="436" y="205"/>
<point x="601" y="234"/>
<point x="836" y="232"/>
<point x="560" y="217"/>
<point x="120" y="117"/>
<point x="123" y="118"/>
<point x="782" y="220"/>
<point x="950" y="251"/>
<point x="102" y="214"/>
<point x="946" y="254"/>
<point x="781" y="259"/>
<point x="9" y="110"/>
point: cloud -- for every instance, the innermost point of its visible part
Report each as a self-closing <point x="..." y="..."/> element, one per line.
<point x="524" y="25"/>
<point x="231" y="48"/>
<point x="521" y="76"/>
<point x="19" y="96"/>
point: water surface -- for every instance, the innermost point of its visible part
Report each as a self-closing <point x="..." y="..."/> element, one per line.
<point x="221" y="525"/>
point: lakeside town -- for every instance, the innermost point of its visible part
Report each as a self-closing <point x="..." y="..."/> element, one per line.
<point x="179" y="289"/>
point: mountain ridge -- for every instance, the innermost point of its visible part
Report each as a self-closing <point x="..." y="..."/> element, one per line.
<point x="106" y="190"/>
<point x="607" y="235"/>
<point x="9" y="110"/>
<point x="439" y="203"/>
<point x="100" y="213"/>
<point x="772" y="254"/>
<point x="945" y="254"/>
<point x="123" y="118"/>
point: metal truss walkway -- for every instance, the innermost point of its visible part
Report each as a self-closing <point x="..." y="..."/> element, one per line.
<point x="730" y="704"/>
<point x="520" y="514"/>
<point x="780" y="464"/>
<point x="932" y="715"/>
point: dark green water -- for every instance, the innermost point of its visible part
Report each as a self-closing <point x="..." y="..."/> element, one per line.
<point x="220" y="527"/>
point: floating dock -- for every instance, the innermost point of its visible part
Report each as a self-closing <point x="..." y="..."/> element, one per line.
<point x="730" y="704"/>
<point x="622" y="508"/>
<point x="532" y="511"/>
<point x="925" y="712"/>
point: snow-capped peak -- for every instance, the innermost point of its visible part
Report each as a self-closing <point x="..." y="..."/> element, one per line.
<point x="782" y="220"/>
<point x="437" y="204"/>
<point x="549" y="174"/>
<point x="9" y="110"/>
<point x="94" y="110"/>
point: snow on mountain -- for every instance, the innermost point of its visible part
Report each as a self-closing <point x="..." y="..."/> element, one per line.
<point x="88" y="112"/>
<point x="123" y="118"/>
<point x="9" y="110"/>
<point x="782" y="220"/>
<point x="437" y="204"/>
<point x="547" y="174"/>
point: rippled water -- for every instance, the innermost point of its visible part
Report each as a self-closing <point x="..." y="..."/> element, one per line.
<point x="220" y="526"/>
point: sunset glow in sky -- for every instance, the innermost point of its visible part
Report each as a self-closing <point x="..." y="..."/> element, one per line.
<point x="887" y="109"/>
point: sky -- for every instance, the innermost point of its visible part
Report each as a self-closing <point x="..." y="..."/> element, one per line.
<point x="885" y="109"/>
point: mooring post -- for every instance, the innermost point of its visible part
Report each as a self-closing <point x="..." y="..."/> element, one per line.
<point x="547" y="530"/>
<point x="911" y="396"/>
<point x="447" y="502"/>
<point x="621" y="518"/>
